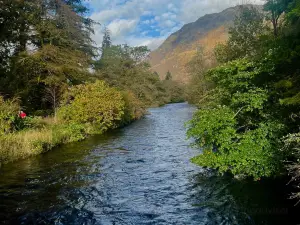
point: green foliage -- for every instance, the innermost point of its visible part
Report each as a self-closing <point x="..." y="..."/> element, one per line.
<point x="38" y="140"/>
<point x="60" y="47"/>
<point x="94" y="103"/>
<point x="239" y="136"/>
<point x="39" y="78"/>
<point x="126" y="68"/>
<point x="253" y="100"/>
<point x="174" y="91"/>
<point x="133" y="109"/>
<point x="275" y="8"/>
<point x="8" y="115"/>
<point x="250" y="153"/>
<point x="198" y="88"/>
<point x="106" y="43"/>
<point x="244" y="36"/>
<point x="66" y="133"/>
<point x="293" y="11"/>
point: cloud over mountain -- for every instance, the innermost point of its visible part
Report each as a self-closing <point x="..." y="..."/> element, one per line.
<point x="149" y="22"/>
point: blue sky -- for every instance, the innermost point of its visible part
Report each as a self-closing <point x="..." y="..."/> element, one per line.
<point x="150" y="22"/>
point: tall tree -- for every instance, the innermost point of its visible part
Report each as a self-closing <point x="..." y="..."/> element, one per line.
<point x="244" y="35"/>
<point x="57" y="33"/>
<point x="106" y="43"/>
<point x="276" y="9"/>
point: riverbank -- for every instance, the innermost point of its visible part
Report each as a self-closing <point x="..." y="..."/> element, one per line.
<point x="46" y="135"/>
<point x="85" y="110"/>
<point x="35" y="141"/>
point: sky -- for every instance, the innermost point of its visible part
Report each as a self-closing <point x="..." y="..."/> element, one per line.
<point x="150" y="22"/>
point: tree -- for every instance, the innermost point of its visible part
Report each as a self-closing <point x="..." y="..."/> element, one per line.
<point x="244" y="36"/>
<point x="293" y="12"/>
<point x="168" y="76"/>
<point x="41" y="38"/>
<point x="126" y="68"/>
<point x="9" y="110"/>
<point x="199" y="86"/>
<point x="53" y="92"/>
<point x="106" y="42"/>
<point x="276" y="9"/>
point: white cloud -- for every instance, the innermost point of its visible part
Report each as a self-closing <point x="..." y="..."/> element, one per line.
<point x="104" y="15"/>
<point x="151" y="42"/>
<point x="121" y="27"/>
<point x="169" y="23"/>
<point x="133" y="22"/>
<point x="191" y="10"/>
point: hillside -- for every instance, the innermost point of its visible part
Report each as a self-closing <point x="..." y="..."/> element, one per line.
<point x="181" y="46"/>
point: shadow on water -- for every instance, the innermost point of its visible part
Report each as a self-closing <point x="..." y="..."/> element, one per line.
<point x="231" y="201"/>
<point x="140" y="174"/>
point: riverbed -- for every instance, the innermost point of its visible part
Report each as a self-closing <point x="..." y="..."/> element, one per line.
<point x="140" y="174"/>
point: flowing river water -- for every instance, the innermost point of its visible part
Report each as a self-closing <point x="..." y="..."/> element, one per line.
<point x="140" y="174"/>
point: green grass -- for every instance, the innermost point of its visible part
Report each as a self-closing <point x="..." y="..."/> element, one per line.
<point x="44" y="135"/>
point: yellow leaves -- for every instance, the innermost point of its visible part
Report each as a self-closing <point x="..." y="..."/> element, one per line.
<point x="94" y="103"/>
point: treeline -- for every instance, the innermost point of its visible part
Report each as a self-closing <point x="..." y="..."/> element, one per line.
<point x="249" y="97"/>
<point x="51" y="69"/>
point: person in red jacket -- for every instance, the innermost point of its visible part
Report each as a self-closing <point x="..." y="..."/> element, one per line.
<point x="22" y="115"/>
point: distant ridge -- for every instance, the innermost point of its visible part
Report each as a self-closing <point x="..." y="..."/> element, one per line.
<point x="179" y="48"/>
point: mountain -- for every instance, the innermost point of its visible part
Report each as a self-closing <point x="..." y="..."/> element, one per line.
<point x="181" y="46"/>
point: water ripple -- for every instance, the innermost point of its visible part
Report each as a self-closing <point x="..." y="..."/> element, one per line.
<point x="137" y="175"/>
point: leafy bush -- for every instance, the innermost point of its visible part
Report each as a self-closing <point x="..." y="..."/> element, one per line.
<point x="134" y="109"/>
<point x="66" y="133"/>
<point x="8" y="115"/>
<point x="93" y="103"/>
<point x="237" y="129"/>
<point x="292" y="148"/>
<point x="37" y="122"/>
<point x="250" y="153"/>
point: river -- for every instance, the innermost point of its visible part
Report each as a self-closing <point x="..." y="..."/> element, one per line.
<point x="140" y="174"/>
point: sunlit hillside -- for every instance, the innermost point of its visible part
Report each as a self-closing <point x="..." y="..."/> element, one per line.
<point x="181" y="46"/>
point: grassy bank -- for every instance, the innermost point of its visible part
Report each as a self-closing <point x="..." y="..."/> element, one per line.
<point x="46" y="135"/>
<point x="34" y="141"/>
<point x="85" y="110"/>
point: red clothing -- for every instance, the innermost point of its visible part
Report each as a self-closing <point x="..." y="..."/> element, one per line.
<point x="22" y="115"/>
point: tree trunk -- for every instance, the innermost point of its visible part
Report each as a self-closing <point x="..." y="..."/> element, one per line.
<point x="22" y="39"/>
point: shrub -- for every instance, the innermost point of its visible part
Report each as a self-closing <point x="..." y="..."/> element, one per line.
<point x="38" y="122"/>
<point x="134" y="108"/>
<point x="237" y="124"/>
<point x="292" y="149"/>
<point x="8" y="115"/>
<point x="93" y="103"/>
<point x="66" y="133"/>
<point x="251" y="153"/>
